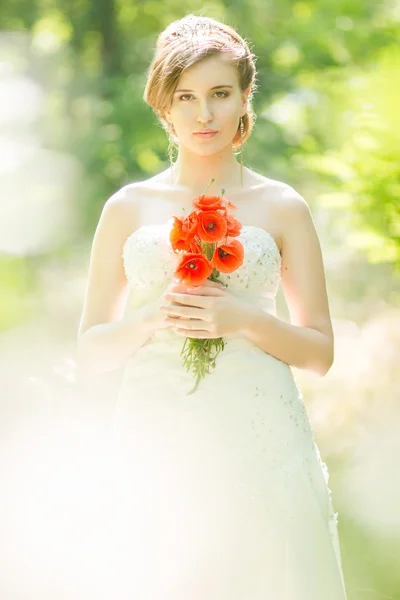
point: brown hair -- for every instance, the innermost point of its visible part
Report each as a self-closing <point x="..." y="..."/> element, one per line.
<point x="186" y="42"/>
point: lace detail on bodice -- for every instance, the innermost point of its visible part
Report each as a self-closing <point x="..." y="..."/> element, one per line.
<point x="150" y="263"/>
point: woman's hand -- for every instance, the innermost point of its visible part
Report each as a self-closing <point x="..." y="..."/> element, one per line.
<point x="157" y="315"/>
<point x="205" y="311"/>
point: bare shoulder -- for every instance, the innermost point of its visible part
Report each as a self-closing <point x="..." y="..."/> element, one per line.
<point x="298" y="235"/>
<point x="280" y="206"/>
<point x="126" y="198"/>
<point x="290" y="201"/>
<point x="292" y="211"/>
<point x="124" y="205"/>
<point x="281" y="194"/>
<point x="278" y="193"/>
<point x="292" y="214"/>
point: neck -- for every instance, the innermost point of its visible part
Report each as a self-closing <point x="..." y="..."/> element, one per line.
<point x="195" y="172"/>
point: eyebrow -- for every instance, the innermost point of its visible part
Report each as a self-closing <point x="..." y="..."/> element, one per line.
<point x="213" y="88"/>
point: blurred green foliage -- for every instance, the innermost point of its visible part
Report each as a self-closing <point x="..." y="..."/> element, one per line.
<point x="326" y="103"/>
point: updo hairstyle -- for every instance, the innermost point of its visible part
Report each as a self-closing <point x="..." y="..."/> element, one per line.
<point x="183" y="44"/>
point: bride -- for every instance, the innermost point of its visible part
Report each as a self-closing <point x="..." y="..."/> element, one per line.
<point x="222" y="494"/>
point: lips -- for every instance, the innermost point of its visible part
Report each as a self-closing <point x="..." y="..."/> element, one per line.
<point x="206" y="133"/>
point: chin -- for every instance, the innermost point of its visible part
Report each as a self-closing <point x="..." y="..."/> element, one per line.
<point x="208" y="149"/>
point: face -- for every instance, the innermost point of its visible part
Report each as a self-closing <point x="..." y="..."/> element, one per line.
<point x="208" y="96"/>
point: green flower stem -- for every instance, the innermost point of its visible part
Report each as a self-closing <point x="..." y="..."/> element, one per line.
<point x="198" y="357"/>
<point x="208" y="248"/>
<point x="214" y="277"/>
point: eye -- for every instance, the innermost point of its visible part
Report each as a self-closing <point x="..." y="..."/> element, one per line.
<point x="184" y="97"/>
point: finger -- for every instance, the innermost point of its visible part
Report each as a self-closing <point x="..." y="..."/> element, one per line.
<point x="185" y="312"/>
<point x="178" y="287"/>
<point x="189" y="300"/>
<point x="188" y="324"/>
<point x="200" y="334"/>
<point x="209" y="284"/>
<point x="206" y="291"/>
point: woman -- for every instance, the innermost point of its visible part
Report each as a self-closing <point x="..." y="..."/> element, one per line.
<point x="221" y="494"/>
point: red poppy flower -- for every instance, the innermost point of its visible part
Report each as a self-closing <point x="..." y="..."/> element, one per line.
<point x="234" y="226"/>
<point x="193" y="268"/>
<point x="211" y="226"/>
<point x="182" y="233"/>
<point x="209" y="203"/>
<point x="229" y="205"/>
<point x="176" y="236"/>
<point x="195" y="247"/>
<point x="189" y="225"/>
<point x="228" y="257"/>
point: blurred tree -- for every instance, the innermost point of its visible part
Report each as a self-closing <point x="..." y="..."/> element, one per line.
<point x="306" y="51"/>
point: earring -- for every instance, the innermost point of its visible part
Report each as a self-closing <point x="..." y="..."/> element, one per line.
<point x="241" y="149"/>
<point x="171" y="146"/>
<point x="170" y="154"/>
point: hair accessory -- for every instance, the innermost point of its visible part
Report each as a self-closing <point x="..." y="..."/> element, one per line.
<point x="193" y="30"/>
<point x="187" y="31"/>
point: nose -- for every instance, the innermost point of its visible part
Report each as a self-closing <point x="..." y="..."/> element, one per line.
<point x="204" y="115"/>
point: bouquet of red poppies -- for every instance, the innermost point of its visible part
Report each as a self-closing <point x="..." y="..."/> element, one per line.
<point x="201" y="239"/>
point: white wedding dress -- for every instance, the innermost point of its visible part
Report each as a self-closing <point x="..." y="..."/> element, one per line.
<point x="222" y="494"/>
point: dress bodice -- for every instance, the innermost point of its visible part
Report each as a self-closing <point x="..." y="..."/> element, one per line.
<point x="150" y="263"/>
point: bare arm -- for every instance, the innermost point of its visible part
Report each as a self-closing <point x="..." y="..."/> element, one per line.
<point x="306" y="342"/>
<point x="106" y="346"/>
<point x="106" y="338"/>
